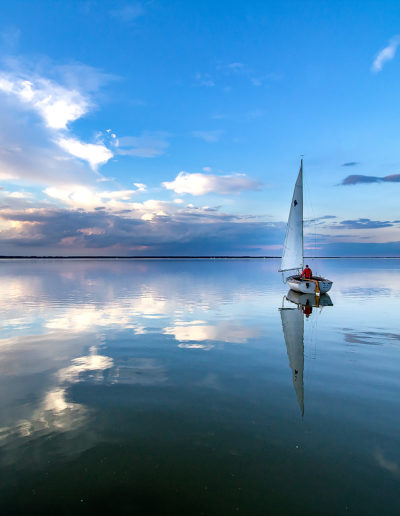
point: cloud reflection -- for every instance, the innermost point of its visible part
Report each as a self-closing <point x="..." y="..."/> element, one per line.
<point x="385" y="463"/>
<point x="55" y="413"/>
<point x="57" y="317"/>
<point x="92" y="363"/>
<point x="199" y="331"/>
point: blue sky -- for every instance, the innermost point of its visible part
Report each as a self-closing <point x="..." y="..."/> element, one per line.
<point x="176" y="127"/>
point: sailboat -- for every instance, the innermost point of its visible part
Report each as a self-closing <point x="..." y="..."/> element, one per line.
<point x="293" y="249"/>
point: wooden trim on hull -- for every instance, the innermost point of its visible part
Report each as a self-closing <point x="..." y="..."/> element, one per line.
<point x="308" y="287"/>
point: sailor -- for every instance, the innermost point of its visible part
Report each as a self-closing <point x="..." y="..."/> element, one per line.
<point x="307" y="273"/>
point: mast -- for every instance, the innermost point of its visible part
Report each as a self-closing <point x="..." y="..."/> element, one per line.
<point x="302" y="214"/>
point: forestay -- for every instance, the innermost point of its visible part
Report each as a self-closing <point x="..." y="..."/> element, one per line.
<point x="293" y="331"/>
<point x="292" y="256"/>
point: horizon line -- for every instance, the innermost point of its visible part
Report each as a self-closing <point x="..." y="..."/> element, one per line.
<point x="186" y="257"/>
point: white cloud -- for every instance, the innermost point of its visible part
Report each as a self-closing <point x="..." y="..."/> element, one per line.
<point x="56" y="105"/>
<point x="118" y="202"/>
<point x="200" y="184"/>
<point x="122" y="195"/>
<point x="209" y="136"/>
<point x="140" y="187"/>
<point x="19" y="195"/>
<point x="31" y="157"/>
<point x="79" y="196"/>
<point x="75" y="196"/>
<point x="386" y="54"/>
<point x="94" y="154"/>
<point x="34" y="154"/>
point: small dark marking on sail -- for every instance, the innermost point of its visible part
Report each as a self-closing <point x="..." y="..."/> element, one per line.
<point x="295" y="202"/>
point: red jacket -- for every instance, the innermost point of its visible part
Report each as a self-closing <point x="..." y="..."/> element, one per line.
<point x="307" y="273"/>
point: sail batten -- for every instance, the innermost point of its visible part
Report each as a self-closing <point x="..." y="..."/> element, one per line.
<point x="292" y="256"/>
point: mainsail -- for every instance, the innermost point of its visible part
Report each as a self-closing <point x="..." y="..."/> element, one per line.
<point x="292" y="256"/>
<point x="293" y="331"/>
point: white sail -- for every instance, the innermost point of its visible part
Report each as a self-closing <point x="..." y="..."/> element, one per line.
<point x="292" y="256"/>
<point x="293" y="331"/>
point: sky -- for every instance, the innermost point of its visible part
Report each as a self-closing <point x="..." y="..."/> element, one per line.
<point x="176" y="127"/>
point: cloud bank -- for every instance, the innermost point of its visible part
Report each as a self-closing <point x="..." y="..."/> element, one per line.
<point x="360" y="179"/>
<point x="365" y="224"/>
<point x="149" y="228"/>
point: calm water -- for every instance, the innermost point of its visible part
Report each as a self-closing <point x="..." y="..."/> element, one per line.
<point x="167" y="387"/>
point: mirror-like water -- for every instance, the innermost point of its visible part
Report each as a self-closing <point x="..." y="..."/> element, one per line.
<point x="182" y="387"/>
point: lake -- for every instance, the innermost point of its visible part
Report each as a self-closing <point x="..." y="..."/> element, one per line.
<point x="169" y="387"/>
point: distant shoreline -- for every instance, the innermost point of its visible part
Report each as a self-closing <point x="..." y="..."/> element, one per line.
<point x="211" y="257"/>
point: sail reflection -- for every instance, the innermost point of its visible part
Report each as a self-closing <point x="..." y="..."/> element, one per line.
<point x="293" y="331"/>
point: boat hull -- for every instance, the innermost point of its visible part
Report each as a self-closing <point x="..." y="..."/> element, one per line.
<point x="308" y="287"/>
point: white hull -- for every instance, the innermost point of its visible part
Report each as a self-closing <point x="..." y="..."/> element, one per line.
<point x="308" y="287"/>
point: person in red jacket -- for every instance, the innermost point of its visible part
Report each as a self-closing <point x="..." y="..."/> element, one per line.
<point x="307" y="273"/>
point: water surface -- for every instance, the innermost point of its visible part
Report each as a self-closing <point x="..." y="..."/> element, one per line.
<point x="167" y="387"/>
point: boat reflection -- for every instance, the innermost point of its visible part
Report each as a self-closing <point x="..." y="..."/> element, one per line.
<point x="293" y="330"/>
<point x="308" y="301"/>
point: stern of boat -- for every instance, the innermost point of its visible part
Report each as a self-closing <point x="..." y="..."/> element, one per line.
<point x="324" y="285"/>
